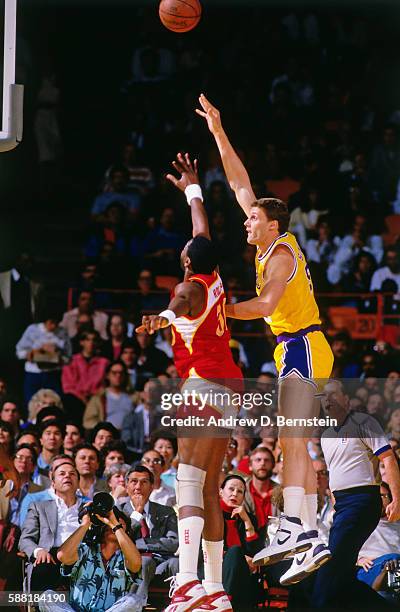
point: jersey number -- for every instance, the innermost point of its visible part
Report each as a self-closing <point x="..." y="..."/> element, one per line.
<point x="221" y="318"/>
<point x="307" y="270"/>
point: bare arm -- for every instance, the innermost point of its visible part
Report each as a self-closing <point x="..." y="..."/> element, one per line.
<point x="190" y="176"/>
<point x="280" y="267"/>
<point x="235" y="171"/>
<point x="392" y="476"/>
<point x="188" y="299"/>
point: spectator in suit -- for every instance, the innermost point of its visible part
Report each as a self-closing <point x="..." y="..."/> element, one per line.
<point x="161" y="493"/>
<point x="48" y="524"/>
<point x="87" y="462"/>
<point x="155" y="528"/>
<point x="114" y="403"/>
<point x="84" y="376"/>
<point x="44" y="347"/>
<point x="85" y="306"/>
<point x="139" y="425"/>
<point x="45" y="493"/>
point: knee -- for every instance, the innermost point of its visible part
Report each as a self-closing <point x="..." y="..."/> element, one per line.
<point x="148" y="566"/>
<point x="190" y="484"/>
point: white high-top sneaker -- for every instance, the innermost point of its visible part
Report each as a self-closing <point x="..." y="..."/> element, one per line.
<point x="289" y="540"/>
<point x="307" y="562"/>
<point x="186" y="597"/>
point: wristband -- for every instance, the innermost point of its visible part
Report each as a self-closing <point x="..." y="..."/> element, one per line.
<point x="119" y="526"/>
<point x="169" y="315"/>
<point x="193" y="191"/>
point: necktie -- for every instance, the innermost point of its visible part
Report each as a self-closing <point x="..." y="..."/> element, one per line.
<point x="144" y="530"/>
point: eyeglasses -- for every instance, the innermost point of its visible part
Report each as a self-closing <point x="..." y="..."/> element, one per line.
<point x="232" y="445"/>
<point x="24" y="458"/>
<point x="322" y="473"/>
<point x="148" y="460"/>
<point x="385" y="495"/>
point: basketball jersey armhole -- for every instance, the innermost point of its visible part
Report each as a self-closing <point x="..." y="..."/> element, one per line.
<point x="295" y="265"/>
<point x="202" y="283"/>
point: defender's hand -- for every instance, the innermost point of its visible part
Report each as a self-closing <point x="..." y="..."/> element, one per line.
<point x="188" y="171"/>
<point x="151" y="324"/>
<point x="210" y="114"/>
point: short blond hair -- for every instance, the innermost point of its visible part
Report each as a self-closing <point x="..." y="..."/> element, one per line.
<point x="41" y="399"/>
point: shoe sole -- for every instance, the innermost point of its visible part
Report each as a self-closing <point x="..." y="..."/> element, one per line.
<point x="283" y="555"/>
<point x="317" y="563"/>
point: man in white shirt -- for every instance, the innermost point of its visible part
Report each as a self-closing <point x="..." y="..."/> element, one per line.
<point x="48" y="524"/>
<point x="161" y="493"/>
<point x="383" y="545"/>
<point x="390" y="271"/>
<point x="353" y="450"/>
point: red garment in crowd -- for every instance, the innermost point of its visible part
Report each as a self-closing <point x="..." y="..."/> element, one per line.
<point x="263" y="505"/>
<point x="83" y="376"/>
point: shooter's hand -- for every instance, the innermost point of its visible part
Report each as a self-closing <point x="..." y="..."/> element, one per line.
<point x="151" y="324"/>
<point x="210" y="114"/>
<point x="187" y="170"/>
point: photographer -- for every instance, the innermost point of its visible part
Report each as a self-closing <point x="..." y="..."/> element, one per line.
<point x="102" y="569"/>
<point x="379" y="555"/>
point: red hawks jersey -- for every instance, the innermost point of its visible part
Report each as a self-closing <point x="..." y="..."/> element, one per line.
<point x="201" y="344"/>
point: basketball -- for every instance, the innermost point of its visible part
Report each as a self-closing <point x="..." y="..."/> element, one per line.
<point x="180" y="15"/>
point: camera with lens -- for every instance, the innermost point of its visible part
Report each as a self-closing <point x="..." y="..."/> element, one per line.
<point x="393" y="576"/>
<point x="102" y="505"/>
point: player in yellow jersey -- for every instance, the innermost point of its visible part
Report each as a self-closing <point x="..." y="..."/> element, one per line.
<point x="285" y="298"/>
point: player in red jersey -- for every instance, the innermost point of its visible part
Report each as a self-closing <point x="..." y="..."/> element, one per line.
<point x="204" y="361"/>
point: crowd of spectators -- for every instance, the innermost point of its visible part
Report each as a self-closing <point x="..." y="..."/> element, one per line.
<point x="87" y="416"/>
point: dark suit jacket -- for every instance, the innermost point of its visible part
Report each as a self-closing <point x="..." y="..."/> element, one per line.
<point x="163" y="538"/>
<point x="133" y="430"/>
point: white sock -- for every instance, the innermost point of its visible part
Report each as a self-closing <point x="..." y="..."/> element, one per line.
<point x="293" y="500"/>
<point x="309" y="512"/>
<point x="213" y="554"/>
<point x="189" y="531"/>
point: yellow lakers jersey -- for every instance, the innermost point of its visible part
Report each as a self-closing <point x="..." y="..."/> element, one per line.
<point x="297" y="308"/>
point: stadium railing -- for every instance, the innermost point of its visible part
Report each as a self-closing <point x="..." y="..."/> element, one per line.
<point x="366" y="316"/>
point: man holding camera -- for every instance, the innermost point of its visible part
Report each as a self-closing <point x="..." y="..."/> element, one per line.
<point x="155" y="528"/>
<point x="101" y="560"/>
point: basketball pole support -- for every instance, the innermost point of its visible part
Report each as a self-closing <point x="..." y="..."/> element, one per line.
<point x="13" y="94"/>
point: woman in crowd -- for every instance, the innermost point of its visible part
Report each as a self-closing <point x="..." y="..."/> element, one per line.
<point x="241" y="542"/>
<point x="117" y="332"/>
<point x="167" y="446"/>
<point x="112" y="404"/>
<point x="7" y="437"/>
<point x="115" y="479"/>
<point x="24" y="460"/>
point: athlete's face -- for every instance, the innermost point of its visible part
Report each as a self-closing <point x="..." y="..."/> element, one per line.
<point x="259" y="229"/>
<point x="185" y="260"/>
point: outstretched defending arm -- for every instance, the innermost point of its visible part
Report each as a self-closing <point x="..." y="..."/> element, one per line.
<point x="189" y="183"/>
<point x="280" y="268"/>
<point x="234" y="169"/>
